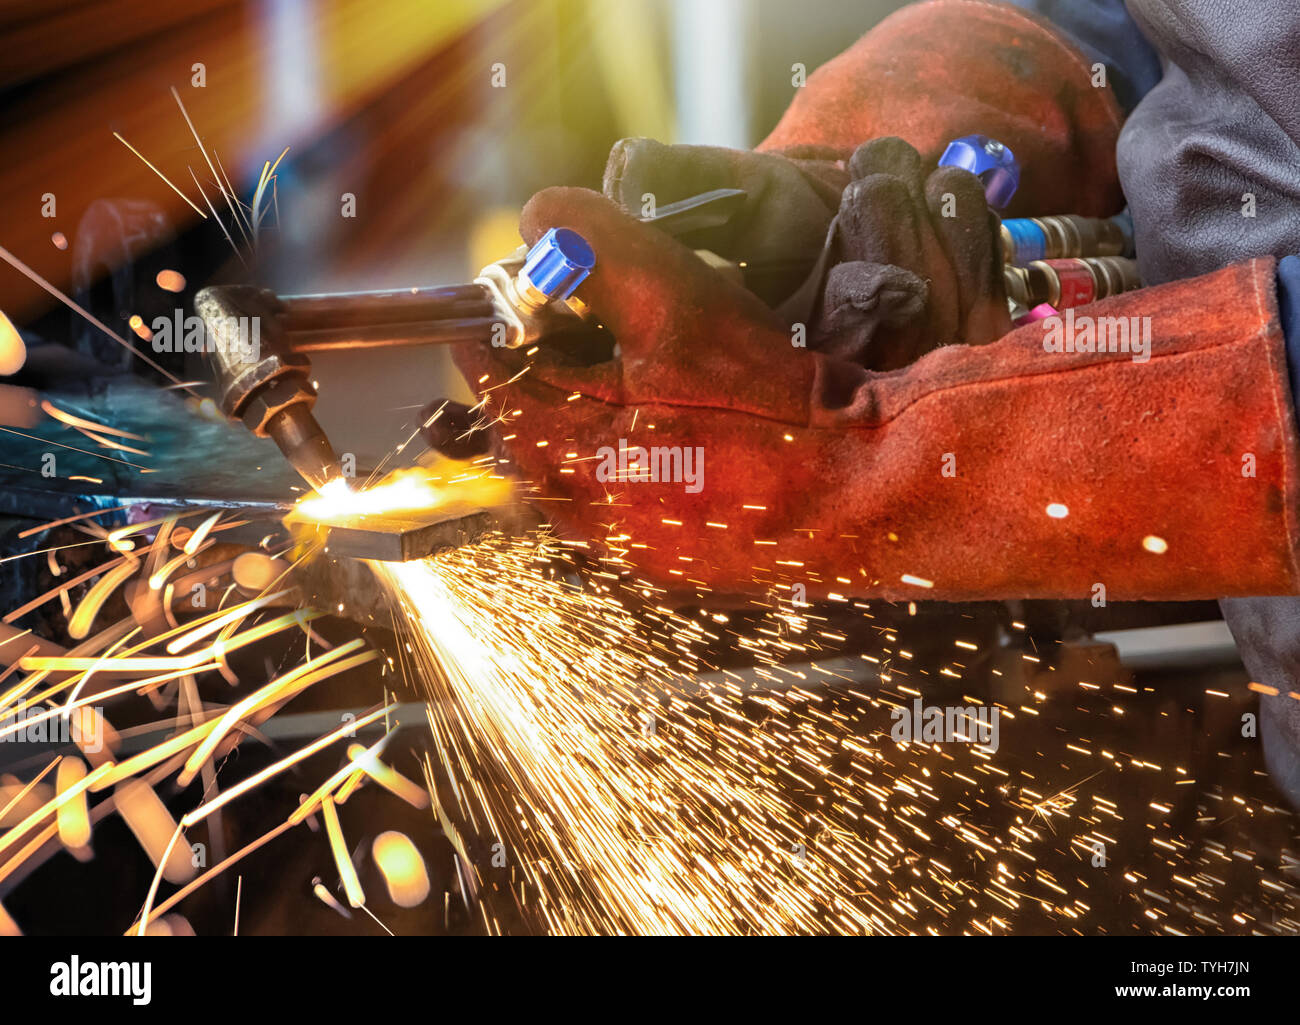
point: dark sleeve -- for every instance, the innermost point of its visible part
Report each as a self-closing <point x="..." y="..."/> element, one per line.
<point x="1288" y="305"/>
<point x="1105" y="32"/>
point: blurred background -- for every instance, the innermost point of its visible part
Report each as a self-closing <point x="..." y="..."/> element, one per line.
<point x="439" y="119"/>
<point x="416" y="130"/>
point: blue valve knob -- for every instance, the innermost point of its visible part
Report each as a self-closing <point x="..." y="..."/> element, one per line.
<point x="556" y="265"/>
<point x="990" y="161"/>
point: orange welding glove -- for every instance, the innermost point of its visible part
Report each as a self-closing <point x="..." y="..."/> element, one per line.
<point x="932" y="72"/>
<point x="710" y="453"/>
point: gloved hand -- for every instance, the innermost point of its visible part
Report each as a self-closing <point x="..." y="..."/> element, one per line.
<point x="932" y="72"/>
<point x="978" y="472"/>
<point x="919" y="262"/>
<point x="781" y="227"/>
<point x="929" y="73"/>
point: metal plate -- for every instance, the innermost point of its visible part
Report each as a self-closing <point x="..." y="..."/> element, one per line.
<point x="405" y="536"/>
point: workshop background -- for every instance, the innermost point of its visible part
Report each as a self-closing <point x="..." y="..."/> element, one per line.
<point x="393" y="103"/>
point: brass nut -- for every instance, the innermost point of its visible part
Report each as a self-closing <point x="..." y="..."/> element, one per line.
<point x="277" y="396"/>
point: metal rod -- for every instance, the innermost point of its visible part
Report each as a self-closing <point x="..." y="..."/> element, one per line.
<point x="383" y="319"/>
<point x="378" y="302"/>
<point x="392" y="335"/>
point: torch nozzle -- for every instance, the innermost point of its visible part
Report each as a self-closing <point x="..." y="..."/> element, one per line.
<point x="305" y="445"/>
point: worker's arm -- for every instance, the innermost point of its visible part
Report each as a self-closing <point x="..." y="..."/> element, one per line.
<point x="714" y="454"/>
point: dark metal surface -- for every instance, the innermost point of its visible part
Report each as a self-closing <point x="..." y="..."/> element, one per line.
<point x="194" y="460"/>
<point x="401" y="537"/>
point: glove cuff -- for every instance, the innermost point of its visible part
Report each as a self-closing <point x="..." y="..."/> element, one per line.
<point x="935" y="71"/>
<point x="1146" y="443"/>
